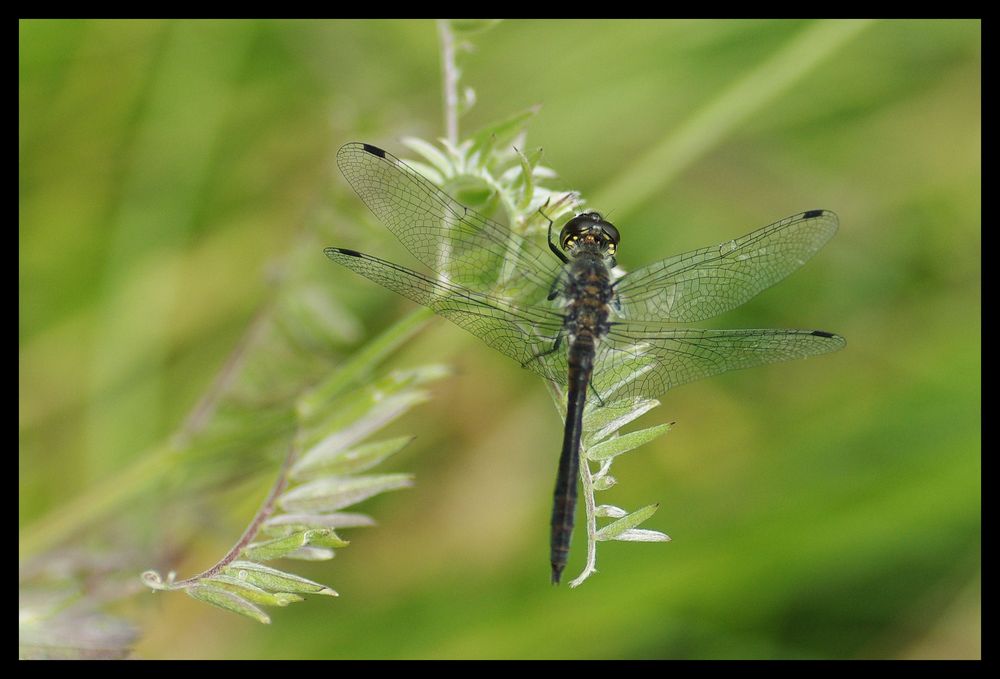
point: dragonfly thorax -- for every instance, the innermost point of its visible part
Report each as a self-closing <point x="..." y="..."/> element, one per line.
<point x="590" y="229"/>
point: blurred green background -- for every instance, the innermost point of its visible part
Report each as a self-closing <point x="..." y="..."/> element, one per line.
<point x="821" y="508"/>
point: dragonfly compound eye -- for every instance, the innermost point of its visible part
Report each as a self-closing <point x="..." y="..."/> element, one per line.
<point x="575" y="229"/>
<point x="611" y="233"/>
<point x="589" y="227"/>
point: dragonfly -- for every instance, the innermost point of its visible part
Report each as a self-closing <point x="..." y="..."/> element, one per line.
<point x="563" y="313"/>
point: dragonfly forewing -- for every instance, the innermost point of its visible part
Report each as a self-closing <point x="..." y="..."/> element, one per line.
<point x="458" y="243"/>
<point x="526" y="334"/>
<point x="707" y="282"/>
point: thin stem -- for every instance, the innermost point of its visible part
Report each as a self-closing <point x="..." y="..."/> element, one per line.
<point x="206" y="406"/>
<point x="449" y="78"/>
<point x="587" y="479"/>
<point x="263" y="514"/>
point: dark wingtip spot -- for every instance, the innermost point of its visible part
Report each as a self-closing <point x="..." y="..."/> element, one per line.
<point x="345" y="251"/>
<point x="812" y="214"/>
<point x="823" y="333"/>
<point x="374" y="150"/>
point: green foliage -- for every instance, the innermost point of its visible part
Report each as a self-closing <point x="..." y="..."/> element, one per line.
<point x="820" y="510"/>
<point x="299" y="522"/>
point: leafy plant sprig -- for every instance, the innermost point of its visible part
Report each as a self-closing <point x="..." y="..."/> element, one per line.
<point x="302" y="513"/>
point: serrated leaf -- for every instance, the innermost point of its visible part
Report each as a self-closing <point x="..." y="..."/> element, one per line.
<point x="280" y="547"/>
<point x="353" y="460"/>
<point x="642" y="535"/>
<point x="613" y="530"/>
<point x="600" y="423"/>
<point x="273" y="580"/>
<point x="333" y="493"/>
<point x="252" y="593"/>
<point x="225" y="599"/>
<point x="438" y="160"/>
<point x="623" y="444"/>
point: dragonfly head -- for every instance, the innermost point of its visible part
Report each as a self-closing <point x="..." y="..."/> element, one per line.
<point x="590" y="228"/>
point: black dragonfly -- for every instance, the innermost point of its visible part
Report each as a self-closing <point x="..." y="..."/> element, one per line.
<point x="566" y="317"/>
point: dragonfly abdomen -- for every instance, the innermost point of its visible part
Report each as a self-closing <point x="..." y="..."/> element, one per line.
<point x="581" y="366"/>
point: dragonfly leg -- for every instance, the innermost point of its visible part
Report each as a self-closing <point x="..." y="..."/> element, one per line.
<point x="543" y="354"/>
<point x="552" y="246"/>
<point x="556" y="288"/>
<point x="597" y="395"/>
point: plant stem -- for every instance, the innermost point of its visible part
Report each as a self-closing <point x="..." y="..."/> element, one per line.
<point x="587" y="479"/>
<point x="265" y="511"/>
<point x="449" y="78"/>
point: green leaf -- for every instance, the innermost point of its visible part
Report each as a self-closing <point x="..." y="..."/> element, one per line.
<point x="604" y="482"/>
<point x="642" y="535"/>
<point x="252" y="593"/>
<point x="428" y="172"/>
<point x="609" y="511"/>
<point x="473" y="191"/>
<point x="613" y="530"/>
<point x="525" y="183"/>
<point x="345" y="428"/>
<point x="440" y="162"/>
<point x="357" y="459"/>
<point x="273" y="580"/>
<point x="623" y="444"/>
<point x="311" y="554"/>
<point x="600" y="423"/>
<point x="337" y="492"/>
<point x="280" y="547"/>
<point x="217" y="596"/>
<point x="501" y="133"/>
<point x="283" y="524"/>
<point x="315" y="402"/>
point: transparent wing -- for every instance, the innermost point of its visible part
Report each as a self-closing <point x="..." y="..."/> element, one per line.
<point x="526" y="334"/>
<point x="637" y="363"/>
<point x="458" y="243"/>
<point x="706" y="282"/>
